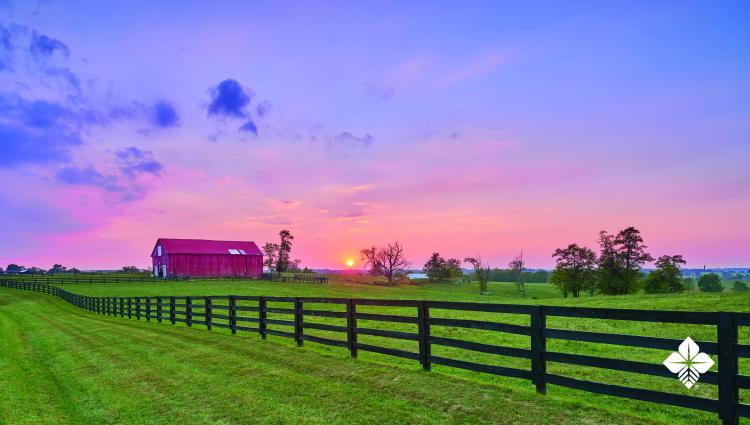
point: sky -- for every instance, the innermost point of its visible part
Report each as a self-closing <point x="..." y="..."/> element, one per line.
<point x="468" y="129"/>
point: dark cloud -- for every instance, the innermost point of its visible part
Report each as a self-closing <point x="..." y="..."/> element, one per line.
<point x="229" y="99"/>
<point x="347" y="139"/>
<point x="42" y="46"/>
<point x="249" y="127"/>
<point x="164" y="115"/>
<point x="37" y="132"/>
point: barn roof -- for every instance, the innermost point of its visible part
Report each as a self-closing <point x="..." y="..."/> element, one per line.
<point x="202" y="246"/>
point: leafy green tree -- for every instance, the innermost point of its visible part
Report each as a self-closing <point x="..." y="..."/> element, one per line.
<point x="285" y="249"/>
<point x="621" y="258"/>
<point x="439" y="269"/>
<point x="739" y="286"/>
<point x="270" y="255"/>
<point x="14" y="268"/>
<point x="58" y="268"/>
<point x="575" y="270"/>
<point x="1" y="270"/>
<point x="710" y="282"/>
<point x="434" y="268"/>
<point x="130" y="269"/>
<point x="667" y="277"/>
<point x="481" y="271"/>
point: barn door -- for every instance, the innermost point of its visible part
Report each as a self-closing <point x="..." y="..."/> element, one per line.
<point x="164" y="270"/>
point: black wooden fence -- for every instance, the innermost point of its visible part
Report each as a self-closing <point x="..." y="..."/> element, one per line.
<point x="232" y="313"/>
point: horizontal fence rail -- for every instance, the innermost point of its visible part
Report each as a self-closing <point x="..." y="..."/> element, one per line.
<point x="233" y="313"/>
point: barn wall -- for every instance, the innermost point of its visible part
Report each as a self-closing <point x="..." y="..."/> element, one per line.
<point x="215" y="265"/>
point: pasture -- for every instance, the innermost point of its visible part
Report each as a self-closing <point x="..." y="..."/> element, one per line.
<point x="613" y="409"/>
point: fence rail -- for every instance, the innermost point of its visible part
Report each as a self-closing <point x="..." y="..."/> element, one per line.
<point x="227" y="312"/>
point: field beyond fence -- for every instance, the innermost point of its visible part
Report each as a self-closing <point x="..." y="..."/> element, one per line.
<point x="250" y="314"/>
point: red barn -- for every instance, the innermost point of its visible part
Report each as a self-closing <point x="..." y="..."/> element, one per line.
<point x="197" y="257"/>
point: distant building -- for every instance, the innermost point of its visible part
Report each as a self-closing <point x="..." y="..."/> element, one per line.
<point x="197" y="257"/>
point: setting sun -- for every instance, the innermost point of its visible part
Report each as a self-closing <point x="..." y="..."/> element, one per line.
<point x="349" y="262"/>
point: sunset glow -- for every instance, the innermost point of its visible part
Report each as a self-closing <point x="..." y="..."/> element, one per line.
<point x="452" y="129"/>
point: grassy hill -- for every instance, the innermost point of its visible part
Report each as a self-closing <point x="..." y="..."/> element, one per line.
<point x="61" y="365"/>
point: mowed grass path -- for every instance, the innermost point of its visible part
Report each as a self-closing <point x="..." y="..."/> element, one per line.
<point x="500" y="293"/>
<point x="62" y="365"/>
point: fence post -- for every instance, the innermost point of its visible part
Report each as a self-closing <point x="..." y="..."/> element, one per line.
<point x="189" y="311"/>
<point x="728" y="366"/>
<point x="138" y="308"/>
<point x="148" y="309"/>
<point x="171" y="310"/>
<point x="423" y="313"/>
<point x="122" y="307"/>
<point x="351" y="326"/>
<point x="538" y="346"/>
<point x="262" y="317"/>
<point x="233" y="314"/>
<point x="298" y="322"/>
<point x="208" y="312"/>
<point x="159" y="309"/>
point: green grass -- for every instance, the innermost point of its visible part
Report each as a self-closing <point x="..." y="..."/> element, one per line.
<point x="500" y="292"/>
<point x="62" y="365"/>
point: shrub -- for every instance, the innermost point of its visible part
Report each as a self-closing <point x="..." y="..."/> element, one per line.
<point x="710" y="282"/>
<point x="740" y="286"/>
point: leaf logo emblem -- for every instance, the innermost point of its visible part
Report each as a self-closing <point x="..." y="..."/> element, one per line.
<point x="688" y="362"/>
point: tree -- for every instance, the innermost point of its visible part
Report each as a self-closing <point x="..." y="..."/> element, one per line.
<point x="58" y="268"/>
<point x="130" y="269"/>
<point x="285" y="249"/>
<point x="385" y="261"/>
<point x="14" y="268"/>
<point x="35" y="270"/>
<point x="667" y="277"/>
<point x="517" y="265"/>
<point x="740" y="286"/>
<point x="633" y="255"/>
<point x="434" y="268"/>
<point x="1" y="270"/>
<point x="294" y="265"/>
<point x="621" y="258"/>
<point x="481" y="271"/>
<point x="710" y="282"/>
<point x="439" y="269"/>
<point x="270" y="255"/>
<point x="575" y="270"/>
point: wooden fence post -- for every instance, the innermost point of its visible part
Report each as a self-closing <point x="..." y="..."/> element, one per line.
<point x="351" y="327"/>
<point x="262" y="317"/>
<point x="423" y="313"/>
<point x="148" y="309"/>
<point x="189" y="311"/>
<point x="159" y="309"/>
<point x="298" y="322"/>
<point x="538" y="346"/>
<point x="728" y="367"/>
<point x="138" y="308"/>
<point x="233" y="314"/>
<point x="171" y="310"/>
<point x="130" y="308"/>
<point x="122" y="307"/>
<point x="208" y="310"/>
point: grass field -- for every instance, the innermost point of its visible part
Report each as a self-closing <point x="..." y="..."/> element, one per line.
<point x="585" y="408"/>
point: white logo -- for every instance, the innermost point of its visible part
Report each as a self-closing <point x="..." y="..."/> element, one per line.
<point x="688" y="362"/>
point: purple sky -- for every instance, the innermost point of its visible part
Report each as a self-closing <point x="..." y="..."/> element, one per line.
<point x="467" y="129"/>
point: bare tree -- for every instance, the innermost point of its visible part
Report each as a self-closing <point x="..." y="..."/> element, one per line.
<point x="270" y="255"/>
<point x="518" y="266"/>
<point x="385" y="261"/>
<point x="482" y="272"/>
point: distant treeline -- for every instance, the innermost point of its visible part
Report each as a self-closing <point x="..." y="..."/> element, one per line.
<point x="510" y="275"/>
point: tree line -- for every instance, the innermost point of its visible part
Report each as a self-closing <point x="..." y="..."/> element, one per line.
<point x="617" y="268"/>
